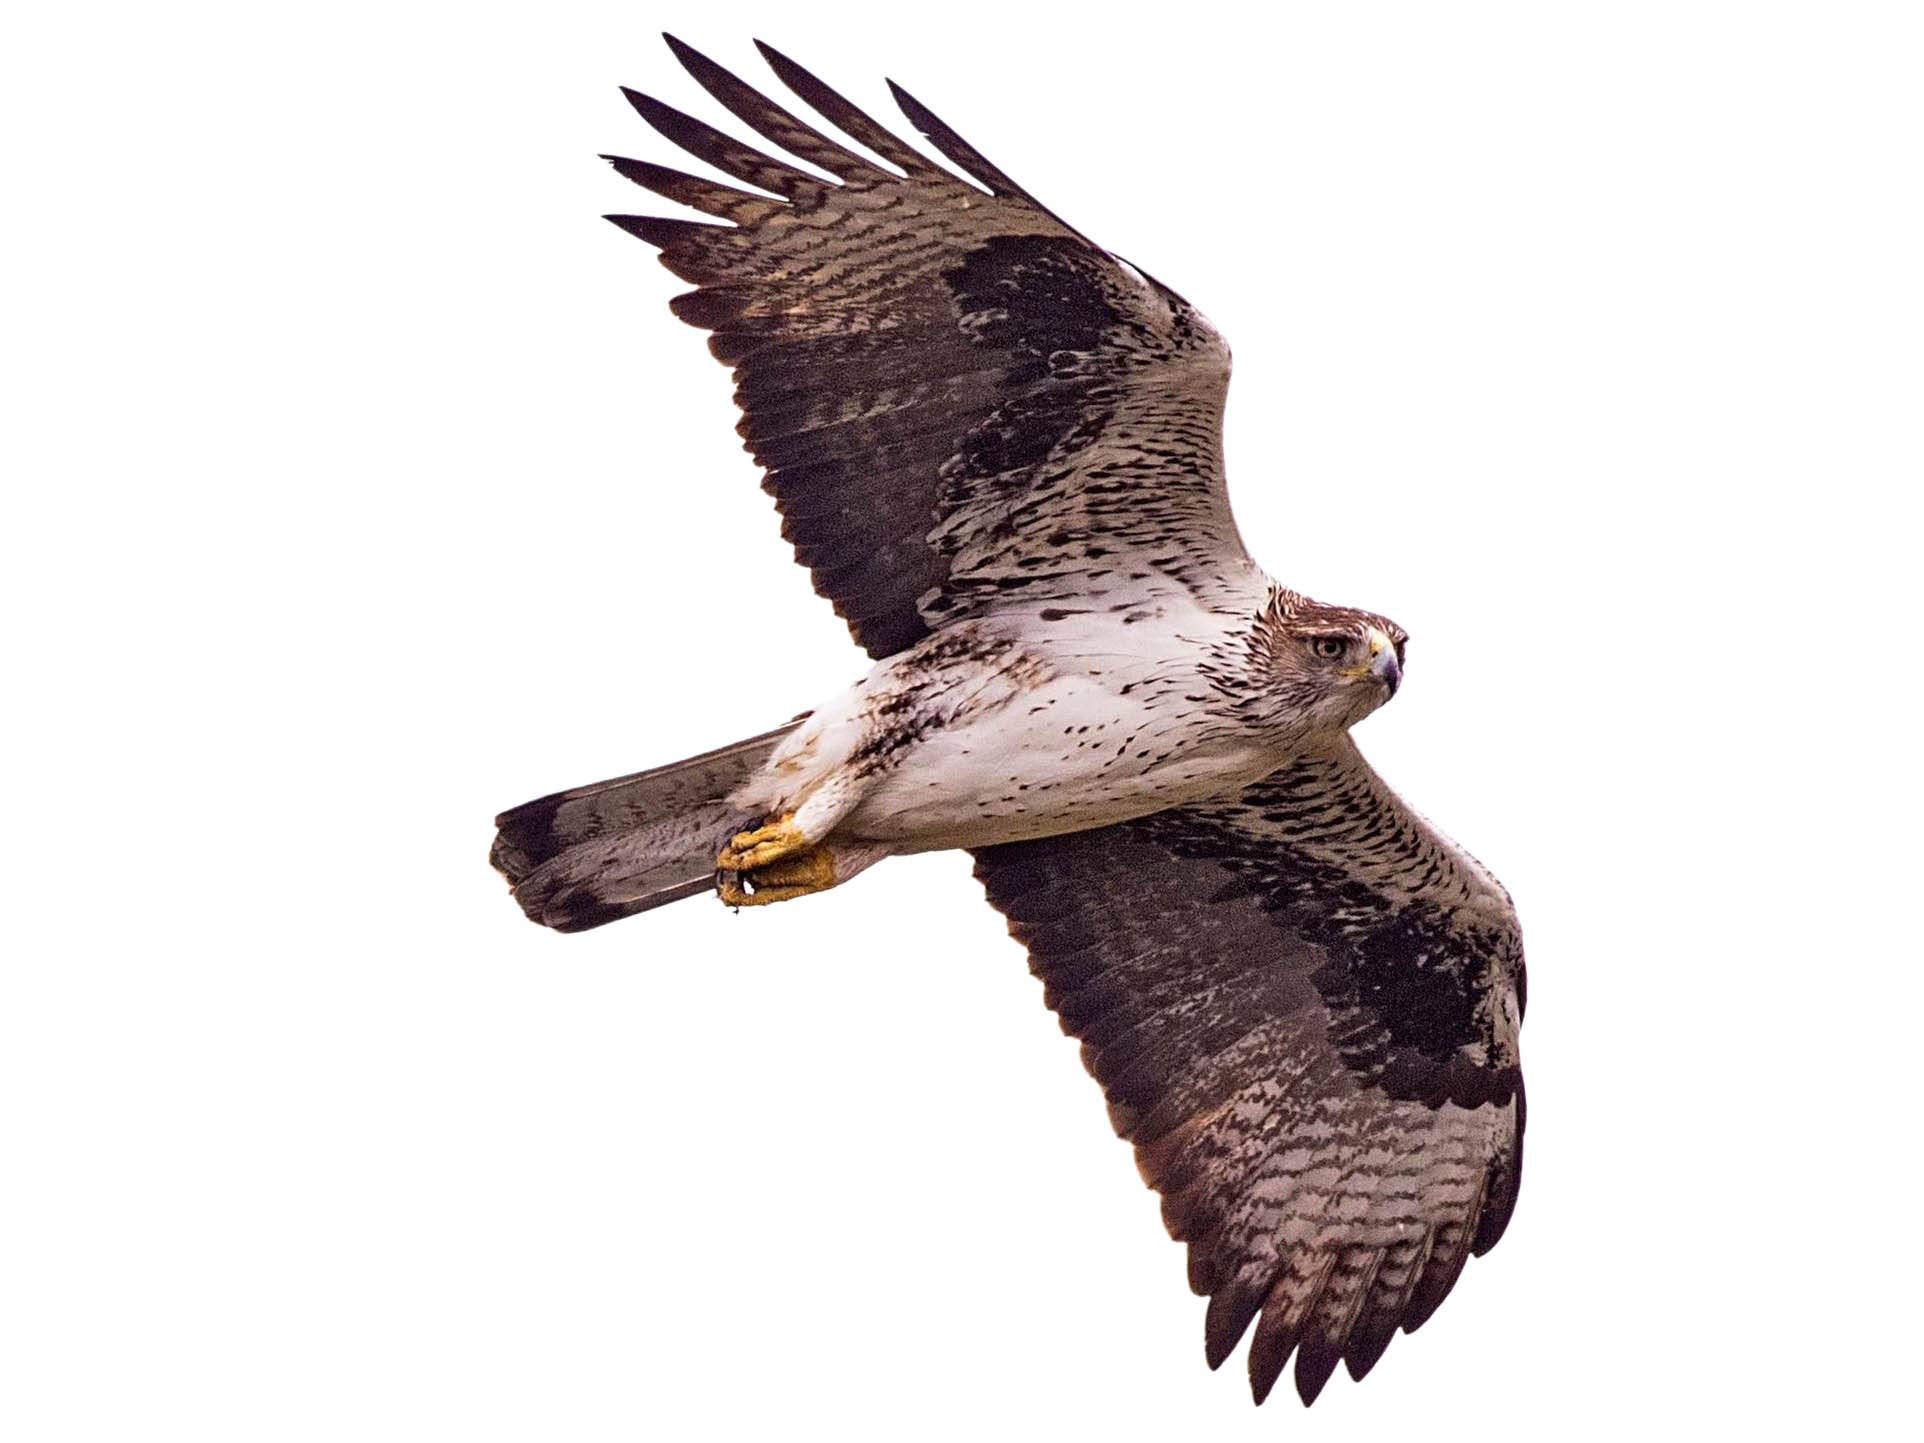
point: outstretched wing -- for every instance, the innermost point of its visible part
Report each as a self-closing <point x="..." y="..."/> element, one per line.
<point x="960" y="402"/>
<point x="1303" y="1006"/>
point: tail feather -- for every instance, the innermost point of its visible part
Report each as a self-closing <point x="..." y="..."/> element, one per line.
<point x="610" y="877"/>
<point x="585" y="857"/>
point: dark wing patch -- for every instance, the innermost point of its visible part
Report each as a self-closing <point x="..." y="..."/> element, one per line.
<point x="960" y="403"/>
<point x="1302" y="1005"/>
<point x="1406" y="983"/>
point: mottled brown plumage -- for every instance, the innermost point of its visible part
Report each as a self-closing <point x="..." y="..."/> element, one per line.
<point x="1302" y="1004"/>
<point x="959" y="401"/>
<point x="997" y="448"/>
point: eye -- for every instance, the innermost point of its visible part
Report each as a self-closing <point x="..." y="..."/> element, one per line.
<point x="1329" y="648"/>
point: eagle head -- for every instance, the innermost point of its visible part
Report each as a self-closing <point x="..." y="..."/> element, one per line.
<point x="1326" y="667"/>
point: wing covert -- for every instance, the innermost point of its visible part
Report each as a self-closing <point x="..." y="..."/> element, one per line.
<point x="960" y="403"/>
<point x="1302" y="1004"/>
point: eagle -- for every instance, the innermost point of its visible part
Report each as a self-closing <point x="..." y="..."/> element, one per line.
<point x="997" y="448"/>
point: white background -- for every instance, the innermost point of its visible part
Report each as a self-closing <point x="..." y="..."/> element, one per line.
<point x="360" y="485"/>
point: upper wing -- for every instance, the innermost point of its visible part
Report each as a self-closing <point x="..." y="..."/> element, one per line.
<point x="959" y="400"/>
<point x="1303" y="1006"/>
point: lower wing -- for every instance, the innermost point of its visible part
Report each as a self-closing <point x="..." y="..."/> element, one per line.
<point x="1302" y="1004"/>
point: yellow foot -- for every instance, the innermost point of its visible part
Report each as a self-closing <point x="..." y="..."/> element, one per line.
<point x="774" y="839"/>
<point x="795" y="875"/>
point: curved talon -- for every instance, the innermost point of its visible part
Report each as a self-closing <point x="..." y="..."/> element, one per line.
<point x="795" y="875"/>
<point x="774" y="839"/>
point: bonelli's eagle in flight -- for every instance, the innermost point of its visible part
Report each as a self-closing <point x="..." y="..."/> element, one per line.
<point x="998" y="450"/>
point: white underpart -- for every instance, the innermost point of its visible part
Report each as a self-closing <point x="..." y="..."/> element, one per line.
<point x="1077" y="722"/>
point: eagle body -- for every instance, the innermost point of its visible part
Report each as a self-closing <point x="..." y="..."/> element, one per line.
<point x="997" y="448"/>
<point x="1007" y="728"/>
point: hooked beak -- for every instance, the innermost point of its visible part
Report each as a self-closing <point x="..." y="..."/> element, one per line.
<point x="1383" y="664"/>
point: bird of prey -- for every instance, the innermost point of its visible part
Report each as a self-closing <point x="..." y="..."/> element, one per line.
<point x="996" y="447"/>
